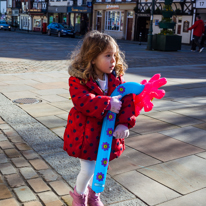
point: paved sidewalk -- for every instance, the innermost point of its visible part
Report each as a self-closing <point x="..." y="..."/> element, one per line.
<point x="164" y="163"/>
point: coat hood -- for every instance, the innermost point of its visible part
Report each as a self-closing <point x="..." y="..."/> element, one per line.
<point x="75" y="72"/>
<point x="79" y="73"/>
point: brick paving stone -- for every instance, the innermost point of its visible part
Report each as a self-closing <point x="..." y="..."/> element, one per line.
<point x="11" y="133"/>
<point x="201" y="126"/>
<point x="20" y="162"/>
<point x="60" y="187"/>
<point x="22" y="146"/>
<point x="9" y="202"/>
<point x="67" y="199"/>
<point x="33" y="203"/>
<point x="3" y="158"/>
<point x="39" y="164"/>
<point x="4" y="192"/>
<point x="30" y="154"/>
<point x="6" y="145"/>
<point x="7" y="169"/>
<point x="15" y="180"/>
<point x="1" y="121"/>
<point x="3" y="137"/>
<point x="28" y="173"/>
<point x="50" y="199"/>
<point x="5" y="127"/>
<point x="38" y="185"/>
<point x="1" y="181"/>
<point x="12" y="153"/>
<point x="24" y="194"/>
<point x="15" y="139"/>
<point x="48" y="175"/>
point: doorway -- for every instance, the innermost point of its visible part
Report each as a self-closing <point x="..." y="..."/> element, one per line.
<point x="99" y="21"/>
<point x="129" y="28"/>
<point x="143" y="28"/>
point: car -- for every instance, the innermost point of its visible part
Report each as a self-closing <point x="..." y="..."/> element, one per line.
<point x="5" y="26"/>
<point x="60" y="30"/>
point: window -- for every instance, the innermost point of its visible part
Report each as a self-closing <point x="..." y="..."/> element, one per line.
<point x="37" y="23"/>
<point x="99" y="13"/>
<point x="113" y="20"/>
<point x="130" y="14"/>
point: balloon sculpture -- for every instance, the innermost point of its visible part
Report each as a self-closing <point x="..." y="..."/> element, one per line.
<point x="145" y="92"/>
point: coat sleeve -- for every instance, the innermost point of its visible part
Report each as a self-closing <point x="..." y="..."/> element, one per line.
<point x="193" y="26"/>
<point x="86" y="102"/>
<point x="126" y="115"/>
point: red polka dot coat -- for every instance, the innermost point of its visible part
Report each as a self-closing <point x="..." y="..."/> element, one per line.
<point x="82" y="133"/>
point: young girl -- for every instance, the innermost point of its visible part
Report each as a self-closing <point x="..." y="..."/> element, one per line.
<point x="96" y="70"/>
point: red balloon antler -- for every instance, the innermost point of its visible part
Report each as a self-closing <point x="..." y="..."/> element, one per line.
<point x="150" y="92"/>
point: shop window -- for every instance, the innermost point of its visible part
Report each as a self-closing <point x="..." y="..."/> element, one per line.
<point x="51" y="0"/>
<point x="71" y="19"/>
<point x="122" y="21"/>
<point x="58" y="0"/>
<point x="99" y="13"/>
<point x="130" y="14"/>
<point x="113" y="20"/>
<point x="108" y="0"/>
<point x="37" y="23"/>
<point x="98" y="0"/>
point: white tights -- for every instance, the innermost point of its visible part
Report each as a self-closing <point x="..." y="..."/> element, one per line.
<point x="85" y="176"/>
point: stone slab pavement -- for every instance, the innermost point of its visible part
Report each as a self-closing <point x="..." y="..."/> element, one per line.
<point x="164" y="162"/>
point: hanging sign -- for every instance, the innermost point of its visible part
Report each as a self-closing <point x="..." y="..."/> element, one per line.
<point x="200" y="4"/>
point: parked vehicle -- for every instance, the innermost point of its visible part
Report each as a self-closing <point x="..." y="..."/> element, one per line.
<point x="60" y="30"/>
<point x="5" y="26"/>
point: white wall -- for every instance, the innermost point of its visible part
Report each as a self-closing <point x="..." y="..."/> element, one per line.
<point x="58" y="3"/>
<point x="156" y="29"/>
<point x="115" y="34"/>
<point x="185" y="35"/>
<point x="3" y="7"/>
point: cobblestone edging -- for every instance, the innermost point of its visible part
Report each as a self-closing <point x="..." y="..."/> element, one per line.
<point x="49" y="147"/>
<point x="23" y="66"/>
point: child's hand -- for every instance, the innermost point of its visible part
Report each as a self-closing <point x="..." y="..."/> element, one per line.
<point x="121" y="131"/>
<point x="116" y="104"/>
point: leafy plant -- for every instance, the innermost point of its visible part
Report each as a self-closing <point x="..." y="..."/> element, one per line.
<point x="158" y="10"/>
<point x="148" y="10"/>
<point x="166" y="32"/>
<point x="168" y="20"/>
<point x="167" y="8"/>
<point x="178" y="11"/>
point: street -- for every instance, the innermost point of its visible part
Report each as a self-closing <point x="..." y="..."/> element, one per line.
<point x="164" y="163"/>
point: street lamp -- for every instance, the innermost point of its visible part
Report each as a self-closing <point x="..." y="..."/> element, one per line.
<point x="149" y="40"/>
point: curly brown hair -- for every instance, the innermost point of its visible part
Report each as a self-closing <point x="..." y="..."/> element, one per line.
<point x="95" y="43"/>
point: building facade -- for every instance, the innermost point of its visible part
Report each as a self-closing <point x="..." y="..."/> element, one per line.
<point x="3" y="7"/>
<point x="115" y="18"/>
<point x="183" y="17"/>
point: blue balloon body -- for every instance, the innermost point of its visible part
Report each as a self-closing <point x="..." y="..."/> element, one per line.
<point x="106" y="137"/>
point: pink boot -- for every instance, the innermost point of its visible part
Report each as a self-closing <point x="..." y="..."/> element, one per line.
<point x="78" y="200"/>
<point x="94" y="198"/>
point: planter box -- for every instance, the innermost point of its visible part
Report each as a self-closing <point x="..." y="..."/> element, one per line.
<point x="167" y="14"/>
<point x="166" y="42"/>
<point x="166" y="25"/>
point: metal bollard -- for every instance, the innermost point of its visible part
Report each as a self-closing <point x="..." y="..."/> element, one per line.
<point x="140" y="38"/>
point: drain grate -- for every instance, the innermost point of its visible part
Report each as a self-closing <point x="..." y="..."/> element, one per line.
<point x="26" y="101"/>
